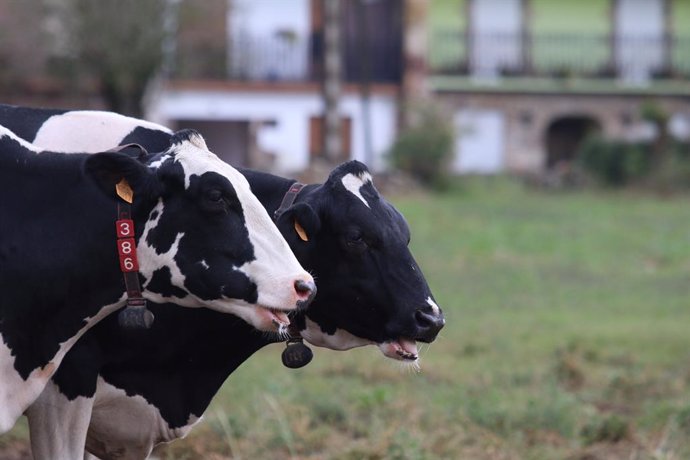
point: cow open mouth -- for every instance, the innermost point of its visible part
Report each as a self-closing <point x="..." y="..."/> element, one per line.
<point x="278" y="317"/>
<point x="402" y="349"/>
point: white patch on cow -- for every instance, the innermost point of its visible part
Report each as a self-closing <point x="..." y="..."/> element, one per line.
<point x="128" y="425"/>
<point x="433" y="306"/>
<point x="57" y="425"/>
<point x="275" y="268"/>
<point x="340" y="340"/>
<point x="4" y="132"/>
<point x="204" y="264"/>
<point x="343" y="340"/>
<point x="151" y="259"/>
<point x="156" y="164"/>
<point x="353" y="183"/>
<point x="88" y="130"/>
<point x="16" y="394"/>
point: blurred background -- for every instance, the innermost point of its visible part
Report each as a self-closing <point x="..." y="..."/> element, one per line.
<point x="540" y="150"/>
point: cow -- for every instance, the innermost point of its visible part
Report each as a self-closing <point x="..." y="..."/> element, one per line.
<point x="371" y="291"/>
<point x="68" y="233"/>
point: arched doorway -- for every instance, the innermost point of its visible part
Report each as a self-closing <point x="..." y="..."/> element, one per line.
<point x="564" y="136"/>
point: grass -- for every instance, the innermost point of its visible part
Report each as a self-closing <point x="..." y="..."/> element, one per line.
<point x="567" y="337"/>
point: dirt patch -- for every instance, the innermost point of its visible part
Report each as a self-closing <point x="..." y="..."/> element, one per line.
<point x="624" y="450"/>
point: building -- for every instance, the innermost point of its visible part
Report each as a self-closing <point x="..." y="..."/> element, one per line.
<point x="527" y="80"/>
<point x="247" y="73"/>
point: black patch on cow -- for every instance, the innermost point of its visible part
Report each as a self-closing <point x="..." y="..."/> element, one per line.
<point x="152" y="140"/>
<point x="370" y="194"/>
<point x="25" y="122"/>
<point x="78" y="375"/>
<point x="51" y="282"/>
<point x="350" y="167"/>
<point x="184" y="135"/>
<point x="238" y="285"/>
<point x="161" y="283"/>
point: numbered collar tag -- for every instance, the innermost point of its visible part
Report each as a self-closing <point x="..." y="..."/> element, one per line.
<point x="124" y="191"/>
<point x="135" y="315"/>
<point x="126" y="245"/>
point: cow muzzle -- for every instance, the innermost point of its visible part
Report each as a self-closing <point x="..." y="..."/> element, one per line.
<point x="305" y="291"/>
<point x="428" y="324"/>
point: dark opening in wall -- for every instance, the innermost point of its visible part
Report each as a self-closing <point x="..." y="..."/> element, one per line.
<point x="564" y="136"/>
<point x="229" y="139"/>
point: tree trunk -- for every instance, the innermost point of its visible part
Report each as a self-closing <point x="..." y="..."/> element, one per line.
<point x="331" y="80"/>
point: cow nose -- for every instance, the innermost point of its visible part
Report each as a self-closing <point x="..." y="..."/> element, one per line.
<point x="429" y="324"/>
<point x="306" y="291"/>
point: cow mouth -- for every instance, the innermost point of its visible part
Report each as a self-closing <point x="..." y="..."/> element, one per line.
<point x="278" y="318"/>
<point x="402" y="349"/>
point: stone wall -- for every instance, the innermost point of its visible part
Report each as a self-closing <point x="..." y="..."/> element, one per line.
<point x="527" y="118"/>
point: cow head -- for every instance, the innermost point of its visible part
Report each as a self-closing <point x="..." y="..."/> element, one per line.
<point x="371" y="290"/>
<point x="203" y="239"/>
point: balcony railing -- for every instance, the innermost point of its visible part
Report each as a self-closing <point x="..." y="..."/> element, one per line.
<point x="559" y="55"/>
<point x="287" y="58"/>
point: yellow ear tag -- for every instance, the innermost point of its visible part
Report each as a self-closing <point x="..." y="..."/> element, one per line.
<point x="300" y="231"/>
<point x="124" y="191"/>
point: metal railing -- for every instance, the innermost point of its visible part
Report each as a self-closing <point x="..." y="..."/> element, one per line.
<point x="285" y="58"/>
<point x="559" y="55"/>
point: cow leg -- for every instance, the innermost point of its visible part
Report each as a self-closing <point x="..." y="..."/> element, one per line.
<point x="58" y="426"/>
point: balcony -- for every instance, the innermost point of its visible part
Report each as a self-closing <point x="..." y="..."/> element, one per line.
<point x="288" y="58"/>
<point x="634" y="60"/>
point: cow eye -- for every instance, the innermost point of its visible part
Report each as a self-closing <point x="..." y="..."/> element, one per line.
<point x="355" y="241"/>
<point x="216" y="201"/>
<point x="214" y="196"/>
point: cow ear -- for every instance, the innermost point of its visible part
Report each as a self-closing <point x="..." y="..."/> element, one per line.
<point x="108" y="169"/>
<point x="303" y="220"/>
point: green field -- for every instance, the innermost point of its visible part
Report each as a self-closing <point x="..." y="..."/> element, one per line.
<point x="567" y="337"/>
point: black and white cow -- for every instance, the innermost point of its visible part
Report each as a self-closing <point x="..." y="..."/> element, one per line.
<point x="203" y="240"/>
<point x="371" y="291"/>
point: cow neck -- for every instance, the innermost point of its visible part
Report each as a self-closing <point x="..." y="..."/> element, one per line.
<point x="296" y="353"/>
<point x="135" y="315"/>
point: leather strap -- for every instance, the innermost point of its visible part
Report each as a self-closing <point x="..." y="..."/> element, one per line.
<point x="288" y="199"/>
<point x="121" y="148"/>
<point x="135" y="315"/>
<point x="296" y="353"/>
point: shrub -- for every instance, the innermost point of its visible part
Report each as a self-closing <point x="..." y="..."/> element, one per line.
<point x="425" y="149"/>
<point x="613" y="162"/>
<point x="618" y="163"/>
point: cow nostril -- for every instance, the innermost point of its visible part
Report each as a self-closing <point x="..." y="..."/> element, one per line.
<point x="423" y="319"/>
<point x="306" y="290"/>
<point x="429" y="323"/>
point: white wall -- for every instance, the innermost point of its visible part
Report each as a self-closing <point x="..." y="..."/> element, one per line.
<point x="479" y="141"/>
<point x="288" y="135"/>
